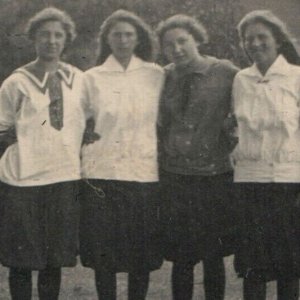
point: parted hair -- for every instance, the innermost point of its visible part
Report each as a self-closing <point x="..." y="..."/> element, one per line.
<point x="278" y="29"/>
<point x="145" y="46"/>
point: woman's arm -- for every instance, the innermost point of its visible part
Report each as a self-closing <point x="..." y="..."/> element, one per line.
<point x="10" y="102"/>
<point x="89" y="136"/>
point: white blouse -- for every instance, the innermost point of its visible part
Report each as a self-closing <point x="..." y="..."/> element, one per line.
<point x="267" y="111"/>
<point x="42" y="154"/>
<point x="124" y="105"/>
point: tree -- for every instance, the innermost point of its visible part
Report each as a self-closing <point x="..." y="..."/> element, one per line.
<point x="218" y="16"/>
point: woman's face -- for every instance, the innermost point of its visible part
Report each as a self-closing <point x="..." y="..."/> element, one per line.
<point x="260" y="44"/>
<point x="122" y="40"/>
<point x="50" y="40"/>
<point x="179" y="46"/>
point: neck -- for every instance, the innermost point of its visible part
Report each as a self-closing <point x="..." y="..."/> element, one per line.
<point x="124" y="62"/>
<point x="197" y="61"/>
<point x="265" y="66"/>
<point x="48" y="66"/>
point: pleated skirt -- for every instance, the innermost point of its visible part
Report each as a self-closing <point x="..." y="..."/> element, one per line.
<point x="39" y="225"/>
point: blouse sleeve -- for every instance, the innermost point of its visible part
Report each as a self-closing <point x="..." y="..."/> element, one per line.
<point x="85" y="97"/>
<point x="10" y="101"/>
<point x="235" y="92"/>
<point x="230" y="122"/>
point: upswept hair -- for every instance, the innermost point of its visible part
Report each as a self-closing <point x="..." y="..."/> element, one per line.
<point x="145" y="46"/>
<point x="52" y="14"/>
<point x="278" y="29"/>
<point x="190" y="24"/>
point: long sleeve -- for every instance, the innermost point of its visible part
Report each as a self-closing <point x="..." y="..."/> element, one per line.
<point x="85" y="97"/>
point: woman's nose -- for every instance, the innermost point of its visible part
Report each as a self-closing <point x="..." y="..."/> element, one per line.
<point x="176" y="48"/>
<point x="256" y="42"/>
<point x="52" y="38"/>
<point x="123" y="38"/>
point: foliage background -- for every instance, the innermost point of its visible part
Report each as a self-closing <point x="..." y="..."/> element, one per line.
<point x="220" y="17"/>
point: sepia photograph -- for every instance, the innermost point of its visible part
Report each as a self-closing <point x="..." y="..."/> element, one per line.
<point x="149" y="149"/>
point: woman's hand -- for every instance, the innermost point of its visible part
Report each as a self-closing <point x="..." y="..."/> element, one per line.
<point x="8" y="137"/>
<point x="230" y="129"/>
<point x="90" y="136"/>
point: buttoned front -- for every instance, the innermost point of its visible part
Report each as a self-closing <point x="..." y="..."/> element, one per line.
<point x="124" y="105"/>
<point x="194" y="105"/>
<point x="267" y="111"/>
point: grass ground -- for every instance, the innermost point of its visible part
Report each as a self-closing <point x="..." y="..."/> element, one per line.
<point x="78" y="284"/>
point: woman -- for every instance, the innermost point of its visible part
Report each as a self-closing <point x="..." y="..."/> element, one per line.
<point x="42" y="118"/>
<point x="119" y="198"/>
<point x="196" y="175"/>
<point x="267" y="158"/>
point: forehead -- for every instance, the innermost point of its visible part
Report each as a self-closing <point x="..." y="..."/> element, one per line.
<point x="176" y="33"/>
<point x="258" y="28"/>
<point x="51" y="25"/>
<point x="122" y="26"/>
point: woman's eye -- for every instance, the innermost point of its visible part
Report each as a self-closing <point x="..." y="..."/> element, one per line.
<point x="182" y="41"/>
<point x="167" y="46"/>
<point x="117" y="35"/>
<point x="59" y="35"/>
<point x="43" y="34"/>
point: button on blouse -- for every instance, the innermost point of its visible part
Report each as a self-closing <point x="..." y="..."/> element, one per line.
<point x="267" y="112"/>
<point x="124" y="105"/>
<point x="194" y="105"/>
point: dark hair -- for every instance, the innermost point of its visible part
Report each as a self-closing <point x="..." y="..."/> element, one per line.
<point x="190" y="24"/>
<point x="278" y="29"/>
<point x="52" y="14"/>
<point x="145" y="47"/>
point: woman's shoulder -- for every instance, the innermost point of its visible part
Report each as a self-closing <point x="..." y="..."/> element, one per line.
<point x="153" y="66"/>
<point x="224" y="65"/>
<point x="295" y="69"/>
<point x="96" y="76"/>
<point x="14" y="85"/>
<point x="170" y="72"/>
<point x="170" y="68"/>
<point x="245" y="73"/>
<point x="96" y="71"/>
<point x="70" y="68"/>
<point x="153" y="69"/>
<point x="93" y="73"/>
<point x="14" y="79"/>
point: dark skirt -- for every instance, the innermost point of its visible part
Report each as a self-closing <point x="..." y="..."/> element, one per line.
<point x="269" y="247"/>
<point x="39" y="226"/>
<point x="120" y="229"/>
<point x="200" y="216"/>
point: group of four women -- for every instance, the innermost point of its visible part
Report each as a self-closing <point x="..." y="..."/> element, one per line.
<point x="155" y="149"/>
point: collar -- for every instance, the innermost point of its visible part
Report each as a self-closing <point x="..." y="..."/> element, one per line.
<point x="40" y="77"/>
<point x="199" y="66"/>
<point x="279" y="67"/>
<point x="111" y="64"/>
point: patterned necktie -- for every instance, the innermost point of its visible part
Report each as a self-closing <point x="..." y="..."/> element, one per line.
<point x="186" y="92"/>
<point x="56" y="101"/>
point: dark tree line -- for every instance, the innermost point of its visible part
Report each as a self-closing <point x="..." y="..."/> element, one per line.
<point x="220" y="17"/>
